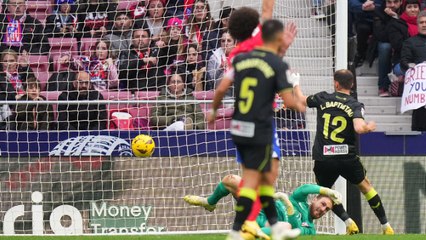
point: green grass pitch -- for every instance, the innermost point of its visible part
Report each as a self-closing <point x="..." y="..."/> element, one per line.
<point x="215" y="237"/>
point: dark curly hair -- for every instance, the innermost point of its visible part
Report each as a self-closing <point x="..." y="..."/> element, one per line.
<point x="242" y="22"/>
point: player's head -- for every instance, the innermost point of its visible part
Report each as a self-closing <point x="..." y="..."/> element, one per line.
<point x="320" y="206"/>
<point x="272" y="34"/>
<point x="242" y="22"/>
<point x="343" y="80"/>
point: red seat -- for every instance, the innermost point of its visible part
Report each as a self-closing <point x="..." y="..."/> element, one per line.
<point x="140" y="115"/>
<point x="40" y="66"/>
<point x="52" y="96"/>
<point x="147" y="95"/>
<point x="39" y="9"/>
<point x="117" y="95"/>
<point x="203" y="95"/>
<point x="126" y="4"/>
<point x="88" y="46"/>
<point x="60" y="46"/>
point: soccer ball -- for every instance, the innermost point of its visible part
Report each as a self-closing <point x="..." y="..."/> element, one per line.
<point x="143" y="145"/>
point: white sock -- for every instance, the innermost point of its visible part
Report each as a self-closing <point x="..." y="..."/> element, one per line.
<point x="349" y="221"/>
<point x="386" y="225"/>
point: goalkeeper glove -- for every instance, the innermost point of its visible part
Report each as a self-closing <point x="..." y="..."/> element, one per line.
<point x="293" y="78"/>
<point x="284" y="199"/>
<point x="333" y="194"/>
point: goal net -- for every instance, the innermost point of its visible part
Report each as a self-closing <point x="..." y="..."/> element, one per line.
<point x="83" y="78"/>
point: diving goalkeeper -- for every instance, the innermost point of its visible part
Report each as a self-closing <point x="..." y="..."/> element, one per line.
<point x="294" y="210"/>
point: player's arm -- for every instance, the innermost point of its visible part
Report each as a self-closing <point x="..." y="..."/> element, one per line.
<point x="291" y="101"/>
<point x="361" y="126"/>
<point x="220" y="92"/>
<point x="267" y="9"/>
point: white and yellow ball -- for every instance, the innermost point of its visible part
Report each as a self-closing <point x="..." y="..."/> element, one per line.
<point x="143" y="145"/>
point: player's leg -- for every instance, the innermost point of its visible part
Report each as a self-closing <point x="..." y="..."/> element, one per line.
<point x="229" y="184"/>
<point x="248" y="192"/>
<point x="326" y="174"/>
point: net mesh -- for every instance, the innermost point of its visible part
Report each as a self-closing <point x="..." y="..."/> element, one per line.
<point x="74" y="148"/>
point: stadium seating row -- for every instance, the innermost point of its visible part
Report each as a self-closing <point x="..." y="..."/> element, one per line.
<point x="40" y="9"/>
<point x="140" y="114"/>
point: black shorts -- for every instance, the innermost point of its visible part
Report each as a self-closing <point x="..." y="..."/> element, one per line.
<point x="257" y="157"/>
<point x="327" y="172"/>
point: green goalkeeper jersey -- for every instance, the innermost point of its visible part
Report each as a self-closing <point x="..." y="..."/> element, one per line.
<point x="281" y="212"/>
<point x="302" y="218"/>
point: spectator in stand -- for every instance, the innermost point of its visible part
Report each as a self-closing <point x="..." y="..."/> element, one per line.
<point x="363" y="12"/>
<point x="95" y="16"/>
<point x="193" y="68"/>
<point x="138" y="12"/>
<point x="178" y="8"/>
<point x="173" y="45"/>
<point x="101" y="66"/>
<point x="63" y="22"/>
<point x="316" y="11"/>
<point x="121" y="35"/>
<point x="140" y="71"/>
<point x="32" y="117"/>
<point x="401" y="29"/>
<point x="221" y="26"/>
<point x="15" y="71"/>
<point x="414" y="52"/>
<point x="218" y="63"/>
<point x="199" y="29"/>
<point x="175" y="116"/>
<point x="383" y="17"/>
<point x="19" y="31"/>
<point x="81" y="116"/>
<point x="155" y="17"/>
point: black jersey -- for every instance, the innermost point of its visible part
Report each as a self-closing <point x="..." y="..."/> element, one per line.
<point x="258" y="75"/>
<point x="335" y="136"/>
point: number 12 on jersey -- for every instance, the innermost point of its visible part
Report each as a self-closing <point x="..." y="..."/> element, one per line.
<point x="246" y="94"/>
<point x="337" y="121"/>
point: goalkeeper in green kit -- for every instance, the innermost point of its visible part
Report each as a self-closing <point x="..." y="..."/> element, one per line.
<point x="294" y="210"/>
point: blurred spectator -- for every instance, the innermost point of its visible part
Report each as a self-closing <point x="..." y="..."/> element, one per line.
<point x="60" y="81"/>
<point x="140" y="71"/>
<point x="121" y="35"/>
<point x="199" y="29"/>
<point x="138" y="12"/>
<point x="193" y="68"/>
<point x="175" y="116"/>
<point x="155" y="17"/>
<point x="20" y="31"/>
<point x="81" y="116"/>
<point x="96" y="16"/>
<point x="413" y="49"/>
<point x="15" y="71"/>
<point x="212" y="42"/>
<point x="63" y="22"/>
<point x="414" y="52"/>
<point x="286" y="118"/>
<point x="363" y="12"/>
<point x="401" y="29"/>
<point x="218" y="63"/>
<point x="178" y="8"/>
<point x="316" y="11"/>
<point x="35" y="116"/>
<point x="101" y="66"/>
<point x="382" y="20"/>
<point x="173" y="44"/>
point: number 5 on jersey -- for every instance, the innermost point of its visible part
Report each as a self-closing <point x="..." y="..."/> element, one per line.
<point x="246" y="94"/>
